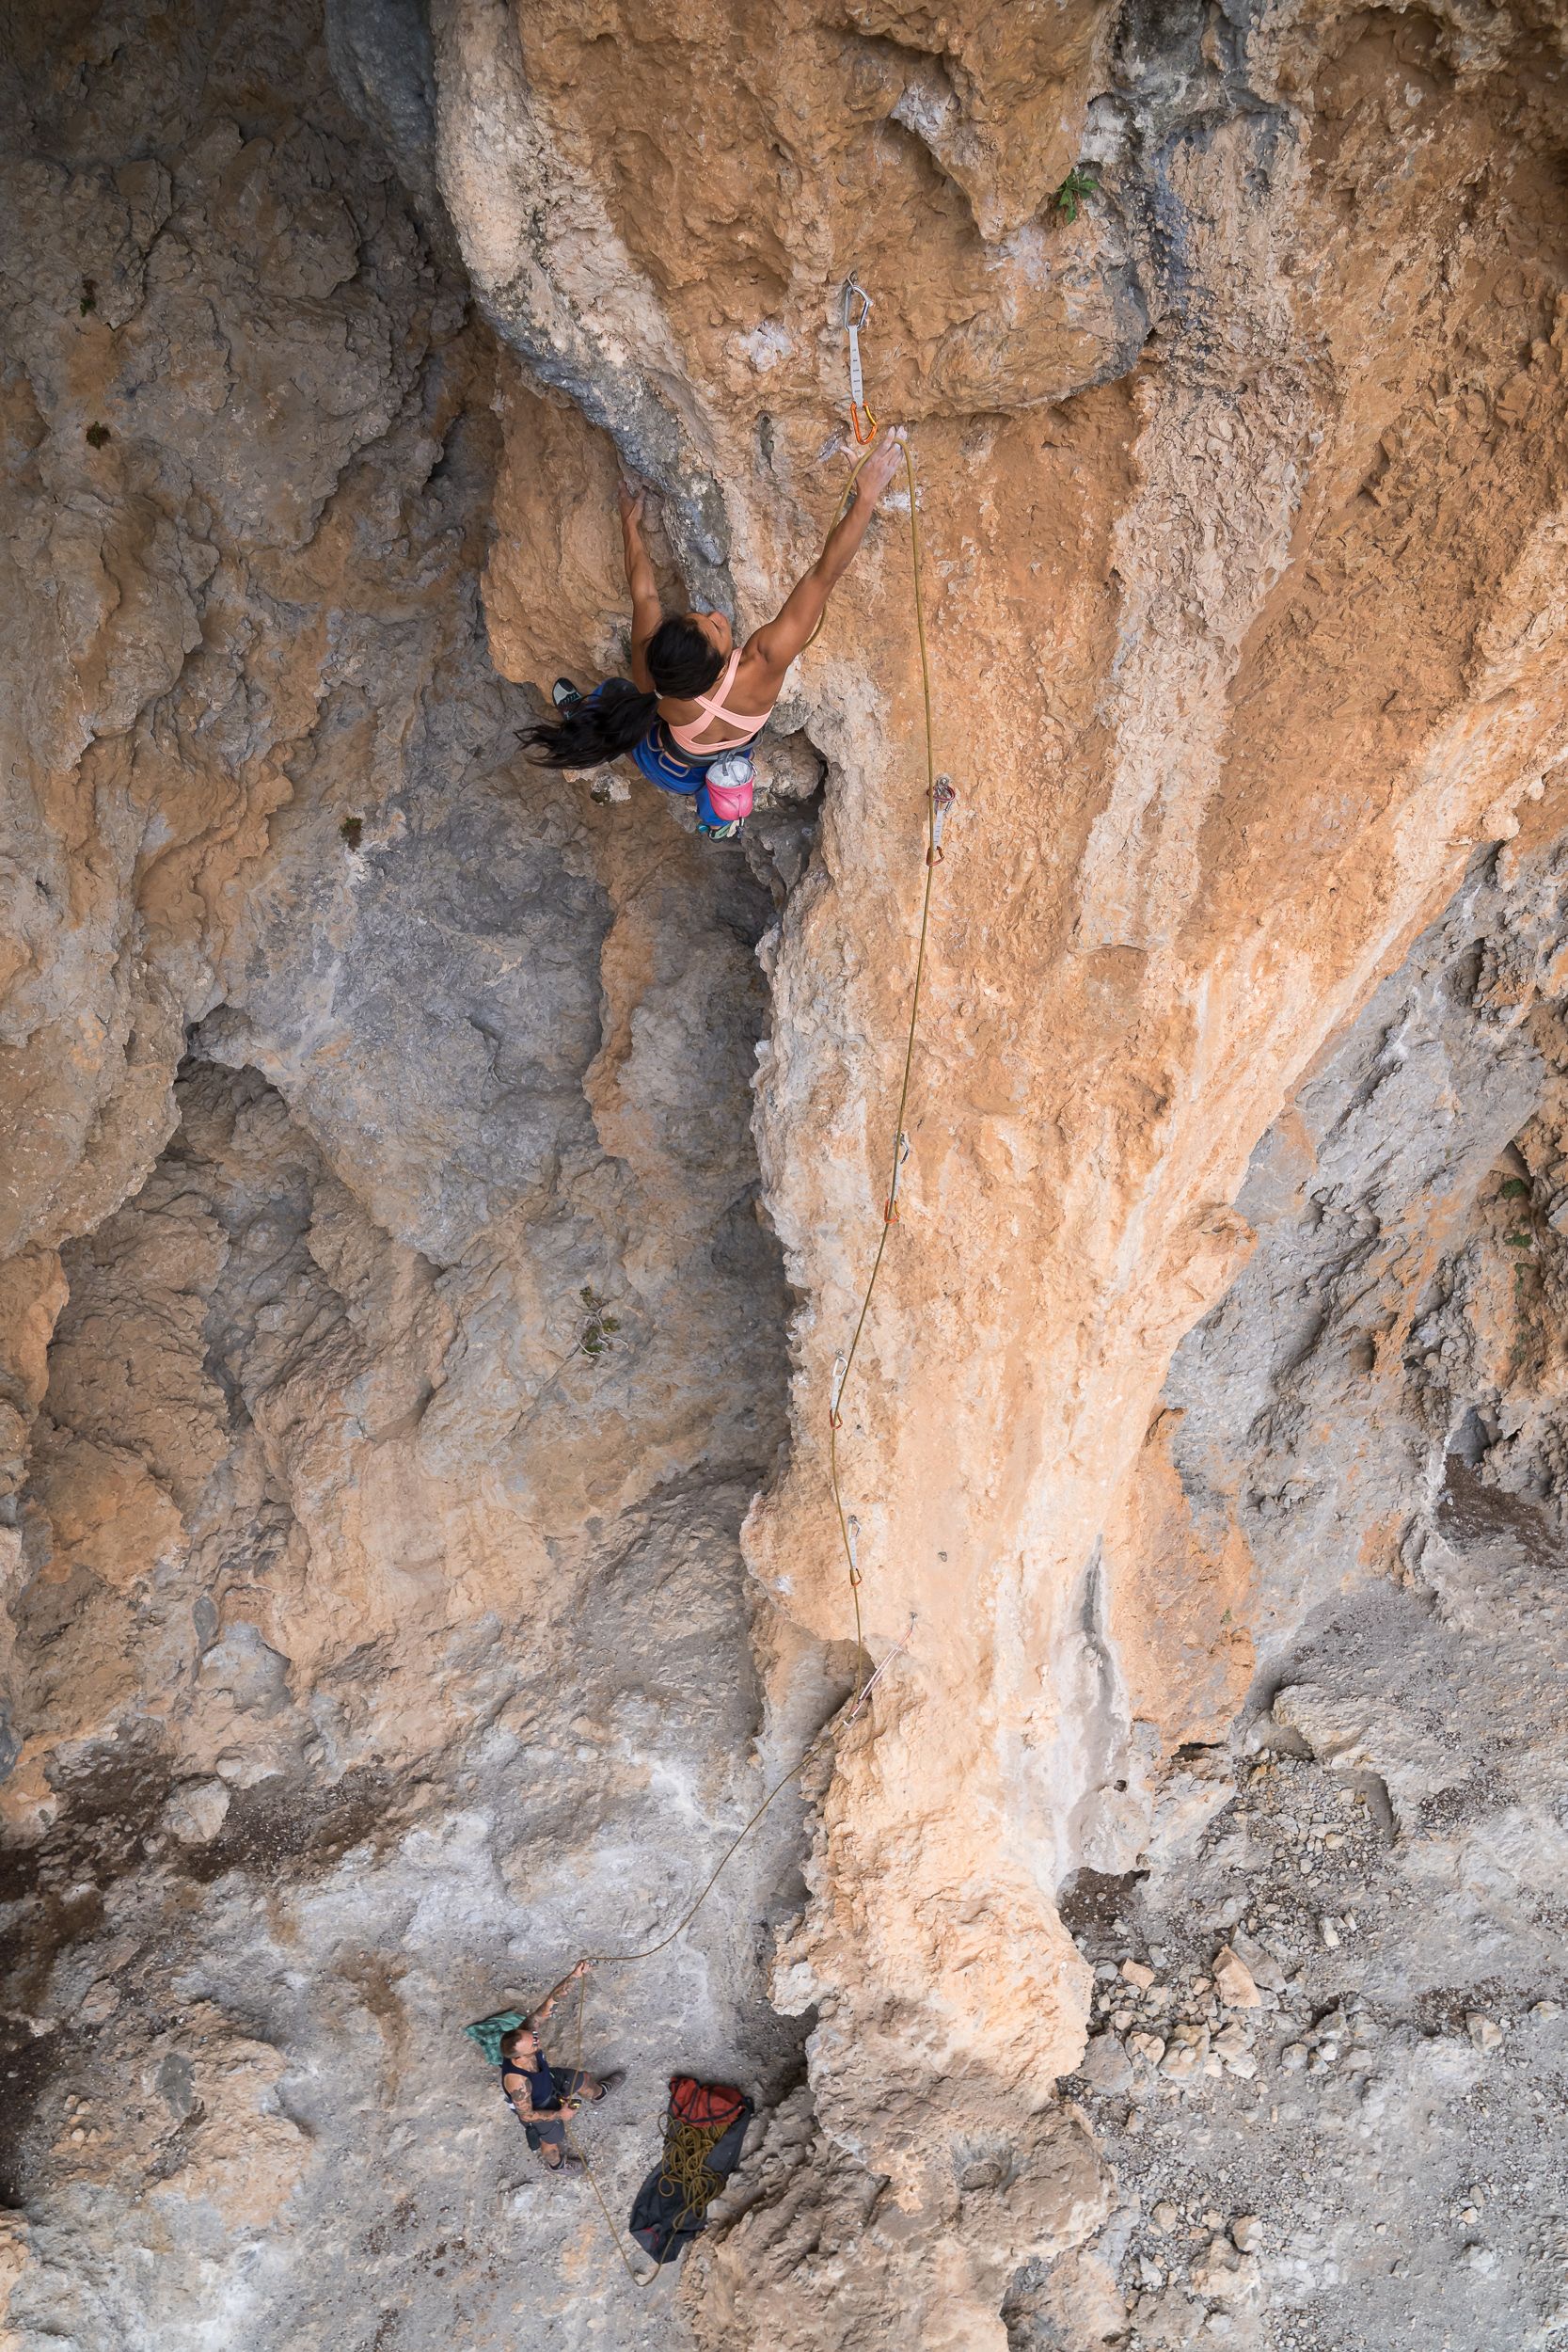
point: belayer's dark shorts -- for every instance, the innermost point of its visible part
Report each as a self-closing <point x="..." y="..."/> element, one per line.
<point x="567" y="2084"/>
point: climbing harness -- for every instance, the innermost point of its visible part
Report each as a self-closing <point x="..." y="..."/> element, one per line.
<point x="859" y="415"/>
<point x="688" y="2159"/>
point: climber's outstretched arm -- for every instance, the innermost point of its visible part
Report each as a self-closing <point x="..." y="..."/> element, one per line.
<point x="647" y="613"/>
<point x="779" y="641"/>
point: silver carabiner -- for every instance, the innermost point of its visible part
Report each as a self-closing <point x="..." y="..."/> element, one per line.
<point x="942" y="798"/>
<point x="864" y="423"/>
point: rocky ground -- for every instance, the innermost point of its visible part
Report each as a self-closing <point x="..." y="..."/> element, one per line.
<point x="1329" y="2059"/>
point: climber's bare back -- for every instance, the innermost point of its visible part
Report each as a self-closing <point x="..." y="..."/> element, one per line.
<point x="766" y="656"/>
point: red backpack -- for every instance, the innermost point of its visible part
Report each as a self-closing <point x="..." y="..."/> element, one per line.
<point x="692" y="2102"/>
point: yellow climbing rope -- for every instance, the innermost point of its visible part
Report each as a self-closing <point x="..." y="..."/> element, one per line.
<point x="936" y="805"/>
<point x="683" y="2171"/>
<point x="629" y="1959"/>
<point x="686" y="2154"/>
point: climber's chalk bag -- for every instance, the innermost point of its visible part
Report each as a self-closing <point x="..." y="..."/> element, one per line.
<point x="730" y="786"/>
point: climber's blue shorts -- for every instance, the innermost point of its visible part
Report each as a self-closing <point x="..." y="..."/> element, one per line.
<point x="673" y="770"/>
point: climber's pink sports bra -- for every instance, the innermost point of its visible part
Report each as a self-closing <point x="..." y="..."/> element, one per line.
<point x="712" y="706"/>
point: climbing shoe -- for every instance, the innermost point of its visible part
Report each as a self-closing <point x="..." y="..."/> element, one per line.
<point x="564" y="694"/>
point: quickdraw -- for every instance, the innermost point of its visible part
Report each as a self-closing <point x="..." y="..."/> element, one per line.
<point x="861" y="417"/>
<point x="942" y="798"/>
<point x="889" y="1212"/>
<point x="870" y="1684"/>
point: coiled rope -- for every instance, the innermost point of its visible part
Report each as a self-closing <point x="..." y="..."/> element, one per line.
<point x="683" y="2171"/>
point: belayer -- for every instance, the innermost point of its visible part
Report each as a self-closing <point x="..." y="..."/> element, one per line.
<point x="694" y="701"/>
<point x="543" y="2097"/>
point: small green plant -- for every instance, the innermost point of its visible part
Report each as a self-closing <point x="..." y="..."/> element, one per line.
<point x="1515" y="1189"/>
<point x="350" y="829"/>
<point x="597" y="1335"/>
<point x="97" y="436"/>
<point x="1075" y="190"/>
<point x="89" y="295"/>
<point x="1518" y="1241"/>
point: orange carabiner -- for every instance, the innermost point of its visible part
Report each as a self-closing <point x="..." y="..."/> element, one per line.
<point x="858" y="413"/>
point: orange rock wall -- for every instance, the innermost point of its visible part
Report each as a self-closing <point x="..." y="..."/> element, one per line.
<point x="1241" y="641"/>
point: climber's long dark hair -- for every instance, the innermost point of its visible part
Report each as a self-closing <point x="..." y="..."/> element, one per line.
<point x="681" y="663"/>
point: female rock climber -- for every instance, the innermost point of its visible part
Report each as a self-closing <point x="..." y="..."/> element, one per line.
<point x="545" y="2097"/>
<point x="693" y="698"/>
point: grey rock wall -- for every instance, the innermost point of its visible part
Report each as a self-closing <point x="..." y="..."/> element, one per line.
<point x="1356" y="2138"/>
<point x="395" y="1346"/>
<point x="1369" y="1337"/>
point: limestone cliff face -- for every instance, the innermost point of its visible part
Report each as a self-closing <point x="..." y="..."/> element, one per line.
<point x="388" y="1301"/>
<point x="1244" y="503"/>
<point x="438" y="1196"/>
